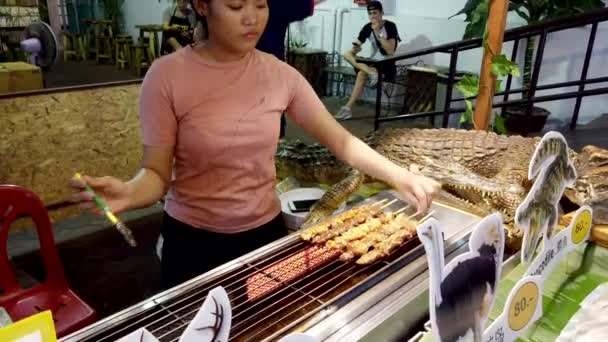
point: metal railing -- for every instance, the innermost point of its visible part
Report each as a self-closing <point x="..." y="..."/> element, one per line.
<point x="541" y="30"/>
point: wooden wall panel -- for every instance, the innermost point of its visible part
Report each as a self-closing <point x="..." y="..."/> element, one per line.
<point x="45" y="138"/>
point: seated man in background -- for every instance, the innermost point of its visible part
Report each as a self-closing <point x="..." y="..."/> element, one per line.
<point x="384" y="37"/>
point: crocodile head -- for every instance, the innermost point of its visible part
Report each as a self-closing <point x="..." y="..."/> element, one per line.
<point x="591" y="186"/>
<point x="501" y="200"/>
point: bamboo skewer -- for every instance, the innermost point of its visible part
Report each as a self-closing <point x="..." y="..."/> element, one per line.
<point x="401" y="210"/>
<point x="426" y="217"/>
<point x="388" y="204"/>
<point x="379" y="202"/>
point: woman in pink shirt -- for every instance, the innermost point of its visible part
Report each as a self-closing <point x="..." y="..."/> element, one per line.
<point x="210" y="116"/>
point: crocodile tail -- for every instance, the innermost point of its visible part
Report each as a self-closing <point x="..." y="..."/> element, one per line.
<point x="334" y="197"/>
<point x="553" y="144"/>
<point x="309" y="163"/>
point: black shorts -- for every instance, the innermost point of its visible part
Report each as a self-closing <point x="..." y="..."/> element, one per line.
<point x="389" y="71"/>
<point x="188" y="252"/>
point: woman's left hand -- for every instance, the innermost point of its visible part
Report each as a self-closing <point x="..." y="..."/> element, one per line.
<point x="418" y="190"/>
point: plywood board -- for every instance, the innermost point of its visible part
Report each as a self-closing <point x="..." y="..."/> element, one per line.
<point x="47" y="138"/>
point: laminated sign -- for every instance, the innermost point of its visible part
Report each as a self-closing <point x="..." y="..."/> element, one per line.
<point x="551" y="169"/>
<point x="462" y="292"/>
<point x="36" y="328"/>
<point x="213" y="321"/>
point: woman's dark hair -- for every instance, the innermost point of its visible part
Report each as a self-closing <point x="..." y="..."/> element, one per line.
<point x="201" y="19"/>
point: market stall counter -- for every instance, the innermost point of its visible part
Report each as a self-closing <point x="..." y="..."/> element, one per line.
<point x="295" y="285"/>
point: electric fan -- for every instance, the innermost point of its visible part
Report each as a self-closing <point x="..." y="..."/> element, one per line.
<point x="40" y="42"/>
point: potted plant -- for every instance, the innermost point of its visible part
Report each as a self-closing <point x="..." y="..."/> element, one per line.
<point x="532" y="11"/>
<point x="469" y="87"/>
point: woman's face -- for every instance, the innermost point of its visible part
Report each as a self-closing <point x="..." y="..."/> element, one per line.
<point x="182" y="4"/>
<point x="235" y="24"/>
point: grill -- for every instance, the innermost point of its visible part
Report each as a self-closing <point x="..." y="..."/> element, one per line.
<point x="291" y="306"/>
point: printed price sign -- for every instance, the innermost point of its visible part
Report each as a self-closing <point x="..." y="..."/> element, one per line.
<point x="582" y="226"/>
<point x="36" y="328"/>
<point x="523" y="308"/>
<point x="563" y="243"/>
<point x="552" y="171"/>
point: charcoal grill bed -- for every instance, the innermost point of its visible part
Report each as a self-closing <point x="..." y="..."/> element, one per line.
<point x="327" y="301"/>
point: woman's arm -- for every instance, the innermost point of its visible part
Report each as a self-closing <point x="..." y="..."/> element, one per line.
<point x="308" y="112"/>
<point x="153" y="179"/>
<point x="159" y="130"/>
<point x="348" y="148"/>
<point x="146" y="188"/>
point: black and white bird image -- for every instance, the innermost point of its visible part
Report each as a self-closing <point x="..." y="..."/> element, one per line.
<point x="213" y="321"/>
<point x="462" y="292"/>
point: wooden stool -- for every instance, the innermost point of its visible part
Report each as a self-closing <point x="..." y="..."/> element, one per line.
<point x="123" y="51"/>
<point x="70" y="46"/>
<point x="104" y="40"/>
<point x="141" y="58"/>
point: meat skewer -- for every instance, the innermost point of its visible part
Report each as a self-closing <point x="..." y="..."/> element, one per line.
<point x="349" y="224"/>
<point x="371" y="224"/>
<point x="360" y="247"/>
<point x="395" y="240"/>
<point x="313" y="231"/>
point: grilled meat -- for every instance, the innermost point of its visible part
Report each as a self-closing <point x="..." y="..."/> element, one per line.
<point x="325" y="226"/>
<point x="386" y="246"/>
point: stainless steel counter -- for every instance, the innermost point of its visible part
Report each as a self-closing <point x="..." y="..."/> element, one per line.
<point x="359" y="303"/>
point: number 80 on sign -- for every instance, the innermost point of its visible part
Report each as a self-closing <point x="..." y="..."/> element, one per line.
<point x="523" y="306"/>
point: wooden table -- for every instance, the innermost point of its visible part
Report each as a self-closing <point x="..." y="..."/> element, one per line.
<point x="153" y="30"/>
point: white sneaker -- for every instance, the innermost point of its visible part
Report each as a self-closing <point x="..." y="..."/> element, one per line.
<point x="344" y="113"/>
<point x="373" y="80"/>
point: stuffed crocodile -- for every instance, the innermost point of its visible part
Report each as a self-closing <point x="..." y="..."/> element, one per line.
<point x="481" y="172"/>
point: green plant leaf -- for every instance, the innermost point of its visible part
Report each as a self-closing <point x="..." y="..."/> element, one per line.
<point x="485" y="40"/>
<point x="467" y="116"/>
<point x="522" y="14"/>
<point x="468" y="86"/>
<point x="499" y="124"/>
<point x="468" y="9"/>
<point x="477" y="20"/>
<point x="502" y="66"/>
<point x="498" y="86"/>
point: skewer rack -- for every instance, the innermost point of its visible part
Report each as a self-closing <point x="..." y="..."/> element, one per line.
<point x="338" y="301"/>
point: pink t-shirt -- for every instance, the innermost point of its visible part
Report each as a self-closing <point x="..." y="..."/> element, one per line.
<point x="223" y="120"/>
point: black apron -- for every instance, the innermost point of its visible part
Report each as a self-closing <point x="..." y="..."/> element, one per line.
<point x="182" y="39"/>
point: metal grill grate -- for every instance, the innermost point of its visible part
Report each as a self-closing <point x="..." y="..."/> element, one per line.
<point x="271" y="316"/>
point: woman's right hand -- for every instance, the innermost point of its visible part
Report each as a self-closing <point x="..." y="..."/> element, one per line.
<point x="113" y="191"/>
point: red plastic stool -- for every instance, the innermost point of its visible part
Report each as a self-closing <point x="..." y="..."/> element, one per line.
<point x="70" y="313"/>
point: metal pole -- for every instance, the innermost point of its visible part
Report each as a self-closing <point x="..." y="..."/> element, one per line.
<point x="510" y="77"/>
<point x="534" y="81"/>
<point x="448" y="94"/>
<point x="581" y="87"/>
<point x="378" y="98"/>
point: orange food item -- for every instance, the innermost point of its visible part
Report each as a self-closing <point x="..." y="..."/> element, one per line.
<point x="273" y="277"/>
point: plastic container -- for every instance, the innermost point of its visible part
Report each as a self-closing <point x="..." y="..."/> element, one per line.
<point x="294" y="220"/>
